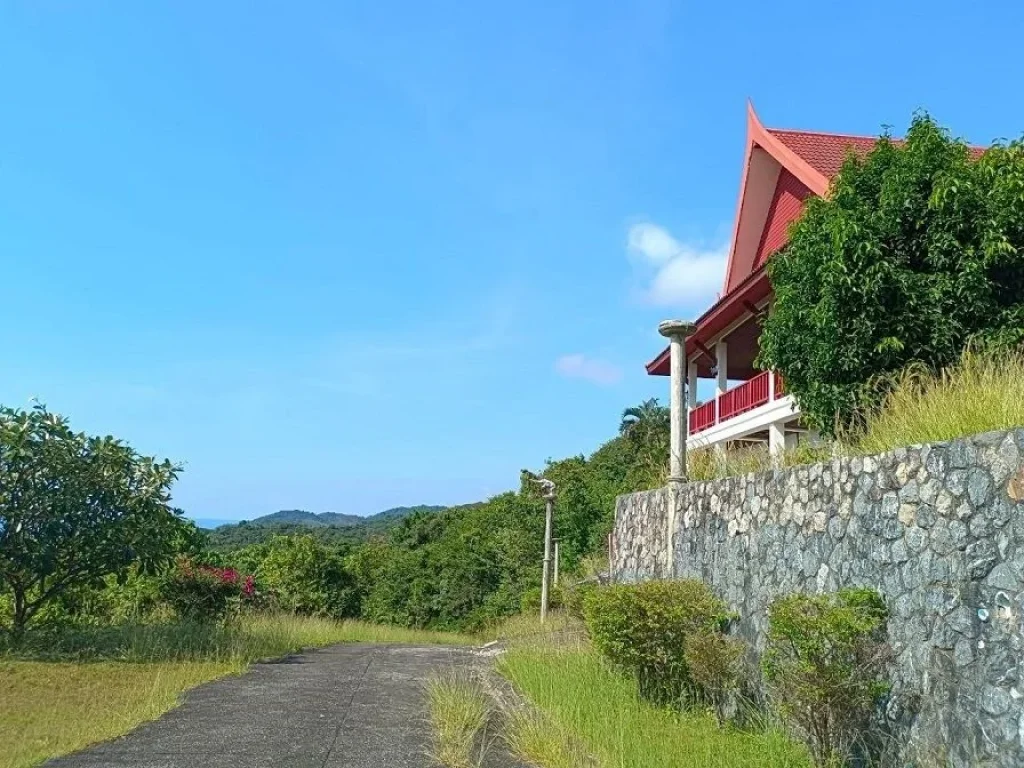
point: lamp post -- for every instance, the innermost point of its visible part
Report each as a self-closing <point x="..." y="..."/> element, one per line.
<point x="548" y="492"/>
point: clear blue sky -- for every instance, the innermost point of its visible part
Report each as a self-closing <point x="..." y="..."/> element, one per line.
<point x="345" y="256"/>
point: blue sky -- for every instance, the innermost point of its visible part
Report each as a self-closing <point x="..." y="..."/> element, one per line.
<point x="346" y="256"/>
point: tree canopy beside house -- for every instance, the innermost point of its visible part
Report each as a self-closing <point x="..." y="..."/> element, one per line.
<point x="916" y="253"/>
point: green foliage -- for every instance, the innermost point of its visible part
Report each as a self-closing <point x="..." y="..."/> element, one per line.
<point x="75" y="509"/>
<point x="715" y="665"/>
<point x="916" y="252"/>
<point x="824" y="662"/>
<point x="529" y="603"/>
<point x="643" y="629"/>
<point x="467" y="567"/>
<point x="299" y="574"/>
<point x="646" y="429"/>
<point x="574" y="597"/>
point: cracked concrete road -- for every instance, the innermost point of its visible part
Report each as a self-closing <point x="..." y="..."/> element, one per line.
<point x="348" y="706"/>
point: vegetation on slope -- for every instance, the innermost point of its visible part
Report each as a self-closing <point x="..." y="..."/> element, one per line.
<point x="982" y="393"/>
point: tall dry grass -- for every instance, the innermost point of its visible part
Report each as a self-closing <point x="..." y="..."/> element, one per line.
<point x="981" y="393"/>
<point x="247" y="639"/>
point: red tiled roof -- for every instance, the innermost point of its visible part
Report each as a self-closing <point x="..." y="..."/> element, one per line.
<point x="825" y="152"/>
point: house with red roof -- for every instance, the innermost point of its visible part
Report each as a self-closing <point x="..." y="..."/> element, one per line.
<point x="781" y="170"/>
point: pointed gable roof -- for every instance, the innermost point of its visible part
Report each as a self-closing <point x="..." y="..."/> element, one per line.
<point x="781" y="169"/>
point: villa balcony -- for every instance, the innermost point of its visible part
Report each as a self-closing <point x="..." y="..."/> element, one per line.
<point x="750" y="397"/>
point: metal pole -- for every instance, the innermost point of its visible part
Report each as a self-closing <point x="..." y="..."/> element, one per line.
<point x="557" y="561"/>
<point x="548" y="499"/>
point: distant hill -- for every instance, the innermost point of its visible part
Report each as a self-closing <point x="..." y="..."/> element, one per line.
<point x="302" y="517"/>
<point x="327" y="526"/>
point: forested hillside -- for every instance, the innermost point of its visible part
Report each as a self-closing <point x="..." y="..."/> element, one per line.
<point x="330" y="527"/>
<point x="455" y="568"/>
<point x="464" y="566"/>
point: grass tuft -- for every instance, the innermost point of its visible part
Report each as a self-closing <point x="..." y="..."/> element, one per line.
<point x="459" y="711"/>
<point x="544" y="743"/>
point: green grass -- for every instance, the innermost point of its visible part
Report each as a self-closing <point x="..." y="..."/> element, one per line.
<point x="63" y="691"/>
<point x="459" y="712"/>
<point x="52" y="708"/>
<point x="586" y="709"/>
<point x="981" y="393"/>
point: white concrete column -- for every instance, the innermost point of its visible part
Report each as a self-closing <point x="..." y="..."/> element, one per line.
<point x="776" y="438"/>
<point x="691" y="385"/>
<point x="676" y="331"/>
<point x="722" y="363"/>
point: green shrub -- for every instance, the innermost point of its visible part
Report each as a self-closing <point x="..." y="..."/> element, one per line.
<point x="530" y="601"/>
<point x="824" y="663"/>
<point x="575" y="595"/>
<point x="715" y="663"/>
<point x="643" y="628"/>
<point x="299" y="574"/>
<point x="914" y="253"/>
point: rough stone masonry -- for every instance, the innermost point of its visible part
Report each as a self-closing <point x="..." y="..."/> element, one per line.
<point x="937" y="529"/>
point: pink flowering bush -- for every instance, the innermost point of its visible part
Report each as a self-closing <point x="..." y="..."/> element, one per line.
<point x="206" y="592"/>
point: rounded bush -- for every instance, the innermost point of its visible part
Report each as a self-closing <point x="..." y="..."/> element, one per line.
<point x="643" y="629"/>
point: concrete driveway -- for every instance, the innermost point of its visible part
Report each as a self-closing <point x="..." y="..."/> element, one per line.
<point x="348" y="706"/>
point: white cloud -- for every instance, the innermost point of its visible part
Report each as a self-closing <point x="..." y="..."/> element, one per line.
<point x="675" y="273"/>
<point x="579" y="366"/>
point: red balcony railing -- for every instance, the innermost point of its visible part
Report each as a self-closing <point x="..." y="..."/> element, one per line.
<point x="702" y="417"/>
<point x="745" y="397"/>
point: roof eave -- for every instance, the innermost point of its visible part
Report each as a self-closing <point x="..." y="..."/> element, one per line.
<point x="658" y="366"/>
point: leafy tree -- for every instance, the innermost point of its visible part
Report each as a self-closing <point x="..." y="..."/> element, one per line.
<point x="303" y="575"/>
<point x="915" y="252"/>
<point x="75" y="509"/>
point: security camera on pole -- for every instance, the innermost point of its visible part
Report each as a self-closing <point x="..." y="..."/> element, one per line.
<point x="547" y="489"/>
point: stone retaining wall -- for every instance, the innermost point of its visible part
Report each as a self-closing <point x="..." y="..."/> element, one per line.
<point x="937" y="529"/>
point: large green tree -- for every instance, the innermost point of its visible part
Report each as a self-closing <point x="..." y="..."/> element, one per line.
<point x="915" y="252"/>
<point x="303" y="575"/>
<point x="75" y="509"/>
